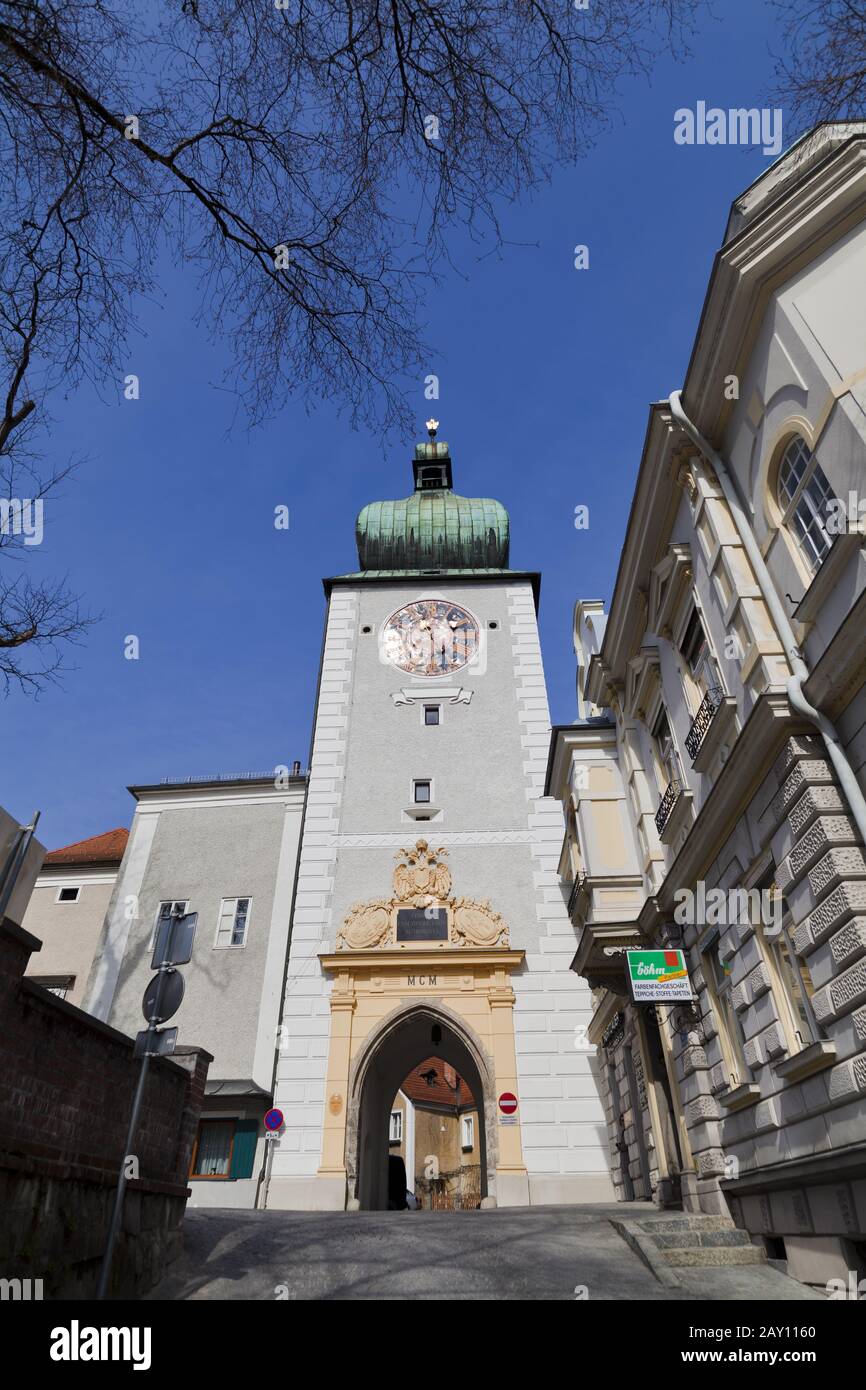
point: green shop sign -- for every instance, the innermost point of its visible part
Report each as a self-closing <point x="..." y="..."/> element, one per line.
<point x="658" y="977"/>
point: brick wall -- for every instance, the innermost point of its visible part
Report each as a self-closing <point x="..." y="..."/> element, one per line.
<point x="66" y="1087"/>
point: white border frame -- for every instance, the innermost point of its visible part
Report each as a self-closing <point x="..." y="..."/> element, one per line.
<point x="64" y="888"/>
<point x="232" y="946"/>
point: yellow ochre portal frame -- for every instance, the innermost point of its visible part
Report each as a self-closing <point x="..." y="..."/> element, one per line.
<point x="386" y="1003"/>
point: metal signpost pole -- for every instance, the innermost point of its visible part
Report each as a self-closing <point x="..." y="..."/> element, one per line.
<point x="117" y="1214"/>
<point x="173" y="947"/>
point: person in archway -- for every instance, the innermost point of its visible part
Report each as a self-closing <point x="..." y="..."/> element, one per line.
<point x="396" y="1183"/>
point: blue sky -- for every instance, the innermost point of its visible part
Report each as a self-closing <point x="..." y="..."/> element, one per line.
<point x="546" y="374"/>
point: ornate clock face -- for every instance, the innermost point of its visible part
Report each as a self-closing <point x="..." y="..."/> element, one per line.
<point x="430" y="637"/>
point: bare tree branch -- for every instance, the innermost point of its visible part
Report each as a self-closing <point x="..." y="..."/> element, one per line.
<point x="822" y="76"/>
<point x="307" y="159"/>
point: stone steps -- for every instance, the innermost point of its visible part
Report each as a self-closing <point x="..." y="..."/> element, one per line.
<point x="686" y="1222"/>
<point x="722" y="1256"/>
<point x="688" y="1241"/>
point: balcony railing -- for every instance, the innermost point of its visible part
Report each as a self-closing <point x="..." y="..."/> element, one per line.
<point x="703" y="719"/>
<point x="667" y="804"/>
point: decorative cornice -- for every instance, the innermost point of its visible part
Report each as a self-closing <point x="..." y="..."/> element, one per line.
<point x="812" y="212"/>
<point x="443" y="957"/>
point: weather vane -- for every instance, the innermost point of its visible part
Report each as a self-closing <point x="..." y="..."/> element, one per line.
<point x="432" y="427"/>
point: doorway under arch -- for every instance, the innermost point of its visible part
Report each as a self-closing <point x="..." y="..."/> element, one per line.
<point x="398" y="1047"/>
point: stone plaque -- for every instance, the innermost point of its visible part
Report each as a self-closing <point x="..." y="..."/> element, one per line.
<point x="422" y="924"/>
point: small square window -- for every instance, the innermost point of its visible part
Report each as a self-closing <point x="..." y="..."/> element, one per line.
<point x="68" y="895"/>
<point x="431" y="714"/>
<point x="422" y="791"/>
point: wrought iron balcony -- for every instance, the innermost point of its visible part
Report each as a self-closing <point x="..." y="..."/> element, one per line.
<point x="667" y="804"/>
<point x="576" y="889"/>
<point x="703" y="719"/>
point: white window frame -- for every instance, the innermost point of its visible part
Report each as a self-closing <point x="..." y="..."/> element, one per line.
<point x="431" y="704"/>
<point x="467" y="1132"/>
<point x="666" y="753"/>
<point x="703" y="674"/>
<point x="431" y="798"/>
<point x="801" y="504"/>
<point x="65" y="888"/>
<point x="233" y="945"/>
<point x="395" y="1131"/>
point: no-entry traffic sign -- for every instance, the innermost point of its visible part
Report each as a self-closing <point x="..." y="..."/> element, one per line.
<point x="507" y="1103"/>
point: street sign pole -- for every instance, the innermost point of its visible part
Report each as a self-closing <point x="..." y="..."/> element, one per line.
<point x="147" y="1045"/>
<point x="117" y="1213"/>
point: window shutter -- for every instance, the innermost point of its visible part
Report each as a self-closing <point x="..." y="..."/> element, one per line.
<point x="244" y="1150"/>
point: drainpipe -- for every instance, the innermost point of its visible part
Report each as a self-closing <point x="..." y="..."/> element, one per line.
<point x="800" y="671"/>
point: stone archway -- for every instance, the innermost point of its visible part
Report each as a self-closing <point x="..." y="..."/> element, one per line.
<point x="400" y="1043"/>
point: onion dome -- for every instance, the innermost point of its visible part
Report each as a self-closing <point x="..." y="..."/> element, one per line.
<point x="434" y="528"/>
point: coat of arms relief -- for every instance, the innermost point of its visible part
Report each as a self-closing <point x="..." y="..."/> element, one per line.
<point x="422" y="880"/>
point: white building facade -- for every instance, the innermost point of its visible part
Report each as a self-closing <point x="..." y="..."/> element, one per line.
<point x="723" y="746"/>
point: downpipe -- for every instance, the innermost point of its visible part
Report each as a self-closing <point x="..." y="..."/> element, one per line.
<point x="799" y="670"/>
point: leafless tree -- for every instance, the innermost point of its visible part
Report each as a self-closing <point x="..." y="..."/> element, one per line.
<point x="822" y="75"/>
<point x="305" y="156"/>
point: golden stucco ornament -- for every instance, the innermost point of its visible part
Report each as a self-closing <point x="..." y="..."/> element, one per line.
<point x="422" y="879"/>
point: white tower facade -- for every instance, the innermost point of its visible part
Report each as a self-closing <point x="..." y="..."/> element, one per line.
<point x="428" y="914"/>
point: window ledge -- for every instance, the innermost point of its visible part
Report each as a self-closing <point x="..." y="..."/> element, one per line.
<point x="739" y="1097"/>
<point x="811" y="1059"/>
<point x="827" y="576"/>
<point x="423" y="811"/>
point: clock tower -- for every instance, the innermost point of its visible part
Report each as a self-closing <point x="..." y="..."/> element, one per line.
<point x="428" y="916"/>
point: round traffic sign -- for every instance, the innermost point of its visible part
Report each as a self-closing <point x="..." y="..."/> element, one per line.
<point x="273" y="1119"/>
<point x="507" y="1103"/>
<point x="163" y="996"/>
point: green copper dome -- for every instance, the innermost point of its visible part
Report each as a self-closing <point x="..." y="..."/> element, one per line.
<point x="434" y="528"/>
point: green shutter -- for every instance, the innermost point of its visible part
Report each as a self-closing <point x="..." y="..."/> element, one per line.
<point x="244" y="1149"/>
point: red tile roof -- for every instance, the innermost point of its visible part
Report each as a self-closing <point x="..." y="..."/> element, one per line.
<point x="441" y="1092"/>
<point x="99" y="849"/>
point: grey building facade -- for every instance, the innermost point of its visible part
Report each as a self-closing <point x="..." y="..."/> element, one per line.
<point x="227" y="850"/>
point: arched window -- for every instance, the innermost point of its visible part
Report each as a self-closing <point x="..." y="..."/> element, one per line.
<point x="804" y="496"/>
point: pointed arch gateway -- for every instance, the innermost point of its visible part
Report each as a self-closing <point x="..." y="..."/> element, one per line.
<point x="385" y="1003"/>
<point x="395" y="1047"/>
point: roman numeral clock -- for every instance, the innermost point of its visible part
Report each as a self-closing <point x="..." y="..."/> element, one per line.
<point x="430" y="637"/>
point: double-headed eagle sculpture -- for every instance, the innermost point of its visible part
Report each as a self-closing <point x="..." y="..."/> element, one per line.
<point x="422" y="879"/>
